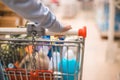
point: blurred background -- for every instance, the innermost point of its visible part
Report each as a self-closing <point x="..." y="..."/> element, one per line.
<point x="102" y="19"/>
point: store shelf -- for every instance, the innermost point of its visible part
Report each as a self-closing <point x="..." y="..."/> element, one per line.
<point x="113" y="49"/>
<point x="105" y="34"/>
<point x="106" y="16"/>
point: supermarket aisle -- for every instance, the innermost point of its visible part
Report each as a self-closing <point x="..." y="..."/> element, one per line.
<point x="95" y="66"/>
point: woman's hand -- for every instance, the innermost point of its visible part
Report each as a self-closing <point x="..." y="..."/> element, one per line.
<point x="66" y="28"/>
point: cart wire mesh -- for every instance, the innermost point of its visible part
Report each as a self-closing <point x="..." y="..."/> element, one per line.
<point x="42" y="58"/>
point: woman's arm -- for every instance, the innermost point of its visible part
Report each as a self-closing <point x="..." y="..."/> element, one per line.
<point x="35" y="11"/>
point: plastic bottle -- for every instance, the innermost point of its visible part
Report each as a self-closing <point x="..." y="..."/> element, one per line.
<point x="55" y="60"/>
<point x="69" y="65"/>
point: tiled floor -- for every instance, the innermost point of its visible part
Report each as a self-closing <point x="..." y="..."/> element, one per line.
<point x="96" y="66"/>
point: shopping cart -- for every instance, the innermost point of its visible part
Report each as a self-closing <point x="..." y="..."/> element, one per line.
<point x="38" y="58"/>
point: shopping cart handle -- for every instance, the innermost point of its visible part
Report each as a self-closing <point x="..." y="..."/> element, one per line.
<point x="81" y="32"/>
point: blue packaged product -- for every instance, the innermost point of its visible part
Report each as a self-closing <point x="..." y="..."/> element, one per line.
<point x="69" y="68"/>
<point x="53" y="65"/>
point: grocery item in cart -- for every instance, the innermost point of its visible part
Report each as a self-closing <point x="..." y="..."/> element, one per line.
<point x="55" y="60"/>
<point x="44" y="49"/>
<point x="29" y="49"/>
<point x="41" y="61"/>
<point x="8" y="55"/>
<point x="1" y="72"/>
<point x="70" y="38"/>
<point x="69" y="65"/>
<point x="69" y="54"/>
<point x="34" y="66"/>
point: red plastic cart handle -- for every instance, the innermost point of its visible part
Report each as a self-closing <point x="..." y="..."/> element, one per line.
<point x="82" y="32"/>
